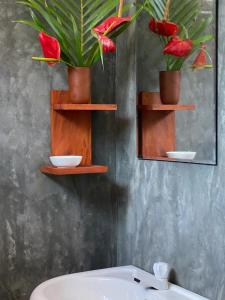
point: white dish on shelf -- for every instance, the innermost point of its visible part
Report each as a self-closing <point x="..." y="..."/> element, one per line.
<point x="185" y="155"/>
<point x="66" y="161"/>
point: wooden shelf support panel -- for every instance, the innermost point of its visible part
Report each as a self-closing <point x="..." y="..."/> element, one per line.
<point x="70" y="130"/>
<point x="48" y="169"/>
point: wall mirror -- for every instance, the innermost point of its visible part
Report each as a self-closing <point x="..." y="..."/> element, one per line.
<point x="191" y="124"/>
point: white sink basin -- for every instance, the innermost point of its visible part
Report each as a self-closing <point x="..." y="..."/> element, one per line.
<point x="107" y="284"/>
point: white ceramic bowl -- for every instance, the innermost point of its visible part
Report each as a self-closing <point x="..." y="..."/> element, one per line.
<point x="185" y="155"/>
<point x="65" y="161"/>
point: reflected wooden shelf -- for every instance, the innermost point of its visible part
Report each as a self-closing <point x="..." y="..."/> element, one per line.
<point x="48" y="169"/>
<point x="163" y="158"/>
<point x="84" y="107"/>
<point x="165" y="107"/>
<point x="157" y="126"/>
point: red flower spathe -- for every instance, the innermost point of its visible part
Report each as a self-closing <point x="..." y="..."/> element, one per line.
<point x="50" y="47"/>
<point x="164" y="28"/>
<point x="178" y="47"/>
<point x="106" y="27"/>
<point x="107" y="44"/>
<point x="200" y="61"/>
<point x="110" y="24"/>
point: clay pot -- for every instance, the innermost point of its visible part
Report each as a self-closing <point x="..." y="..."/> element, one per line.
<point x="170" y="82"/>
<point x="79" y="80"/>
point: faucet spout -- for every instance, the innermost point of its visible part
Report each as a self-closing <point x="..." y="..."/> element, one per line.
<point x="159" y="281"/>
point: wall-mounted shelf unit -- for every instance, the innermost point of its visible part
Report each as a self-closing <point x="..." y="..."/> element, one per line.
<point x="71" y="133"/>
<point x="157" y="126"/>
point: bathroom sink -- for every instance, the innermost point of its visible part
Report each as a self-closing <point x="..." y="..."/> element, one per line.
<point x="107" y="284"/>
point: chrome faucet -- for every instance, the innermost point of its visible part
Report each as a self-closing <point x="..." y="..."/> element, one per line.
<point x="158" y="281"/>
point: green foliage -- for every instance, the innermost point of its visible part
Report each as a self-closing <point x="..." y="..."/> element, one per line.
<point x="187" y="14"/>
<point x="71" y="22"/>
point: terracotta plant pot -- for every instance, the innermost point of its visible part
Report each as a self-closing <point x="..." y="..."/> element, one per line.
<point x="79" y="80"/>
<point x="170" y="82"/>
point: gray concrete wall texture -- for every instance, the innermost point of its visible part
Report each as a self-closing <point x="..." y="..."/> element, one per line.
<point x="170" y="211"/>
<point x="48" y="226"/>
<point x="51" y="226"/>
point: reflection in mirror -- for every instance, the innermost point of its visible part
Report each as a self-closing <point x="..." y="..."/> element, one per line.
<point x="169" y="121"/>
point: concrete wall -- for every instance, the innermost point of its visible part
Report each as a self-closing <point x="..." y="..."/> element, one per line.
<point x="168" y="211"/>
<point x="48" y="226"/>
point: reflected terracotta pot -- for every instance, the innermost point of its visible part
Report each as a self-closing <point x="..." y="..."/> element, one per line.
<point x="79" y="80"/>
<point x="170" y="82"/>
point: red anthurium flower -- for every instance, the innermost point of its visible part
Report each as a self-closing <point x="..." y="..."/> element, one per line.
<point x="200" y="61"/>
<point x="106" y="27"/>
<point x="163" y="27"/>
<point x="178" y="47"/>
<point x="50" y="47"/>
<point x="107" y="44"/>
<point x="110" y="24"/>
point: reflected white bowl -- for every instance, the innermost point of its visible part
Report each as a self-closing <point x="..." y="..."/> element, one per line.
<point x="65" y="161"/>
<point x="185" y="155"/>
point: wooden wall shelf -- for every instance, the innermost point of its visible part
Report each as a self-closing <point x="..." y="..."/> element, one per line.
<point x="161" y="107"/>
<point x="71" y="133"/>
<point x="48" y="169"/>
<point x="157" y="126"/>
<point x="91" y="107"/>
<point x="160" y="158"/>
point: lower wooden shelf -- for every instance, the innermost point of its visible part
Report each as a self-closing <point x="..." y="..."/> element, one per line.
<point x="162" y="107"/>
<point x="163" y="158"/>
<point x="48" y="169"/>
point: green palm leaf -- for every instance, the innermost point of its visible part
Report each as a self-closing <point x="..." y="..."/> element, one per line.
<point x="71" y="22"/>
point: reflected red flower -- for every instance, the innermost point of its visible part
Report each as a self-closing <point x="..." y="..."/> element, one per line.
<point x="164" y="28"/>
<point x="200" y="61"/>
<point x="110" y="24"/>
<point x="50" y="47"/>
<point x="107" y="44"/>
<point x="178" y="47"/>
